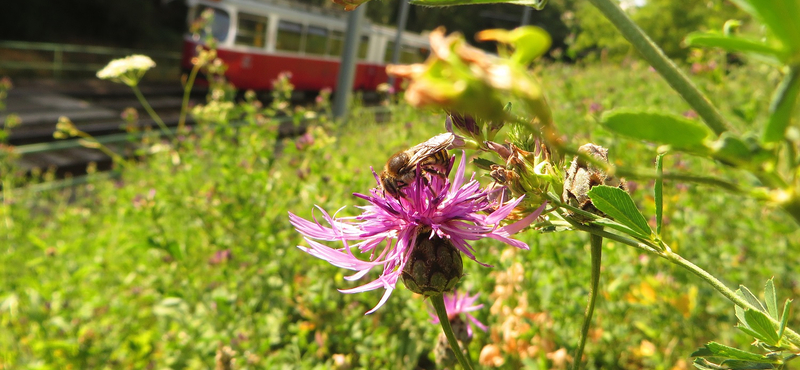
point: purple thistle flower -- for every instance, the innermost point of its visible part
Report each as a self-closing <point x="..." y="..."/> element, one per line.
<point x="456" y="305"/>
<point x="388" y="226"/>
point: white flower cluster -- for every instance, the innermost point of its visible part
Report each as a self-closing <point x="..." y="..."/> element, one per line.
<point x="119" y="69"/>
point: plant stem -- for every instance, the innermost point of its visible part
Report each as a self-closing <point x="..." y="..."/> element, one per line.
<point x="667" y="254"/>
<point x="441" y="312"/>
<point x="187" y="90"/>
<point x="596" y="245"/>
<point x="151" y="112"/>
<point x="720" y="287"/>
<point x="666" y="67"/>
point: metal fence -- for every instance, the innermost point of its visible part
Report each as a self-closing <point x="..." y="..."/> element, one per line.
<point x="40" y="59"/>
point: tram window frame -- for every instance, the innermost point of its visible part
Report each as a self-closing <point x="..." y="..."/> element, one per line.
<point x="289" y="28"/>
<point x="363" y="47"/>
<point x="335" y="43"/>
<point x="314" y="34"/>
<point x="250" y="37"/>
<point x="220" y="25"/>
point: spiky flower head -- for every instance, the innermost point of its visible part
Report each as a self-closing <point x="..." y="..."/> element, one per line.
<point x="388" y="230"/>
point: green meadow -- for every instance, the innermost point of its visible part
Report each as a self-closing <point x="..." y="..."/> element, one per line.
<point x="187" y="258"/>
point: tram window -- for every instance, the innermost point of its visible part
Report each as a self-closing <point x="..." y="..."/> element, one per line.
<point x="362" y="47"/>
<point x="251" y="31"/>
<point x="409" y="54"/>
<point x="290" y="35"/>
<point x="387" y="56"/>
<point x="219" y="24"/>
<point x="316" y="40"/>
<point x="336" y="43"/>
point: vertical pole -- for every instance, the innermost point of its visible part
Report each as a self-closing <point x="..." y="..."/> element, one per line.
<point x="526" y="16"/>
<point x="347" y="67"/>
<point x="398" y="38"/>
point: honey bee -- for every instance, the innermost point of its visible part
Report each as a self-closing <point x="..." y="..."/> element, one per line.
<point x="401" y="168"/>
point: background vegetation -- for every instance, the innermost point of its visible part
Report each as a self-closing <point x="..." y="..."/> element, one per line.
<point x="189" y="257"/>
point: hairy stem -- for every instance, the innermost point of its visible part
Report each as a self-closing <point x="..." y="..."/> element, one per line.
<point x="596" y="245"/>
<point x="441" y="312"/>
<point x="666" y="67"/>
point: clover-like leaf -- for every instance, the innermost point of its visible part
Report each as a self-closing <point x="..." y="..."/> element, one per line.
<point x="617" y="204"/>
<point x="714" y="349"/>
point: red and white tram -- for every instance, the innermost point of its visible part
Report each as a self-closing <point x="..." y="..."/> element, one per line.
<point x="258" y="39"/>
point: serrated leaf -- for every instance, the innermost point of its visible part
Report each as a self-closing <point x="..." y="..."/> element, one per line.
<point x="732" y="43"/>
<point x="660" y="128"/>
<point x="617" y="204"/>
<point x="720" y="350"/>
<point x="658" y="192"/>
<point x="771" y="300"/>
<point x="760" y="323"/>
<point x="751" y="298"/>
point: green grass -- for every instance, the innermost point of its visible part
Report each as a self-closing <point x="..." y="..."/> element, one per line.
<point x="127" y="273"/>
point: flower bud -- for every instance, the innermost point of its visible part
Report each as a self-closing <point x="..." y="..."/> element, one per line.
<point x="445" y="357"/>
<point x="434" y="265"/>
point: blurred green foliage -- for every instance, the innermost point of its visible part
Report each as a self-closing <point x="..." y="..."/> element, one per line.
<point x="666" y="22"/>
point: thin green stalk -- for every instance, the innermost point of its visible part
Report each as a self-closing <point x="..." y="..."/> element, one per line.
<point x="666" y="253"/>
<point x="187" y="90"/>
<point x="596" y="245"/>
<point x="441" y="312"/>
<point x="91" y="142"/>
<point x="656" y="57"/>
<point x="151" y="112"/>
<point x="793" y="337"/>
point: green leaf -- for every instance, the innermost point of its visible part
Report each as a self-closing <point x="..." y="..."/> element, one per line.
<point x="658" y="192"/>
<point x="784" y="318"/>
<point x="537" y="4"/>
<point x="779" y="16"/>
<point x="732" y="43"/>
<point x="714" y="349"/>
<point x="770" y="299"/>
<point x="617" y="204"/>
<point x="731" y="150"/>
<point x="660" y="128"/>
<point x="746" y="365"/>
<point x="760" y="323"/>
<point x="782" y="106"/>
<point x="750" y="298"/>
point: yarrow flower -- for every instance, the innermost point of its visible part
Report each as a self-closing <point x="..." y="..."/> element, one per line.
<point x="128" y="70"/>
<point x="455" y="305"/>
<point x="433" y="213"/>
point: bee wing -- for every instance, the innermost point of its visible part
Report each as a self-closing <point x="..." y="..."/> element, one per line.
<point x="431" y="146"/>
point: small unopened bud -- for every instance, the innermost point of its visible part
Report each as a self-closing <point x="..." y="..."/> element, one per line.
<point x="465" y="123"/>
<point x="434" y="265"/>
<point x="445" y="357"/>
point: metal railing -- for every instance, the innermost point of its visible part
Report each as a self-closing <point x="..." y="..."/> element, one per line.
<point x="63" y="57"/>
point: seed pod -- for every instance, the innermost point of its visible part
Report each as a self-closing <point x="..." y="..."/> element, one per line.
<point x="434" y="265"/>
